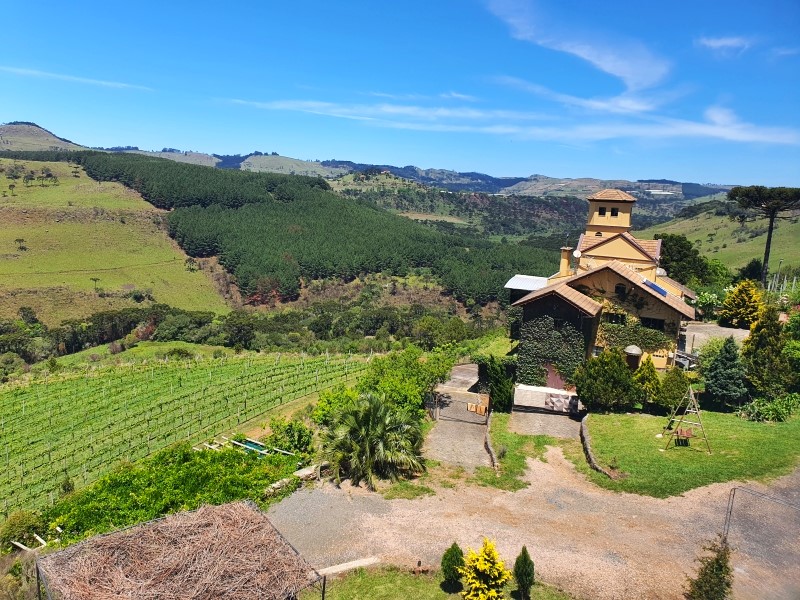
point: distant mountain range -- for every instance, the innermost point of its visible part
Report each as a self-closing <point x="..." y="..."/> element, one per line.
<point x="21" y="135"/>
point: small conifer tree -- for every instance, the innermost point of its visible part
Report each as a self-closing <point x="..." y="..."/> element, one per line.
<point x="484" y="573"/>
<point x="714" y="578"/>
<point x="524" y="573"/>
<point x="673" y="388"/>
<point x="725" y="377"/>
<point x="646" y="378"/>
<point x="452" y="563"/>
<point x="604" y="383"/>
<point x="765" y="363"/>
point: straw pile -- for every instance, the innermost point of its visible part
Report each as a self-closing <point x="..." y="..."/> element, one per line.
<point x="220" y="552"/>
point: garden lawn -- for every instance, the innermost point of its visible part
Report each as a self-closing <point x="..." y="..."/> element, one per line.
<point x="396" y="584"/>
<point x="740" y="450"/>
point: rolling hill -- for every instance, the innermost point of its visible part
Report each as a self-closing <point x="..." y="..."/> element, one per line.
<point x="78" y="229"/>
<point x="717" y="236"/>
<point x="20" y="135"/>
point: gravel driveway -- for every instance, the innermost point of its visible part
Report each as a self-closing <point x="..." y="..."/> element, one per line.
<point x="589" y="541"/>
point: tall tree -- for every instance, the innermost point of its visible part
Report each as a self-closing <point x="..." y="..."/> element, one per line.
<point x="765" y="363"/>
<point x="681" y="259"/>
<point x="769" y="203"/>
<point x="725" y="377"/>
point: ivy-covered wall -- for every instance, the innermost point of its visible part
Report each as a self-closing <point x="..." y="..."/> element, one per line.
<point x="543" y="340"/>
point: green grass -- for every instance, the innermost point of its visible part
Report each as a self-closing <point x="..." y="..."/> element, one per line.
<point x="740" y="450"/>
<point x="395" y="584"/>
<point x="406" y="490"/>
<point x="82" y="423"/>
<point x="82" y="229"/>
<point x="709" y="232"/>
<point x="512" y="450"/>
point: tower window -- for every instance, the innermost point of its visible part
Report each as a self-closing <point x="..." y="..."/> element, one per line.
<point x="614" y="212"/>
<point x="599" y="234"/>
<point x="601" y="211"/>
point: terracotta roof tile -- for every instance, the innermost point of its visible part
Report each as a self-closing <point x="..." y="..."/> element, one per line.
<point x="612" y="195"/>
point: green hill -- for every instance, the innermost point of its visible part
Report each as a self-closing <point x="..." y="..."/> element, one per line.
<point x="193" y="158"/>
<point x="74" y="229"/>
<point x="717" y="236"/>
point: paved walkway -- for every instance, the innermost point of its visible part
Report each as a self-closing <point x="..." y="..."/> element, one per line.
<point x="697" y="334"/>
<point x="457" y="437"/>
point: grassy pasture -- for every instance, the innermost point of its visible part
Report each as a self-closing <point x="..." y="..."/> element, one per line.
<point x="80" y="229"/>
<point x="82" y="423"/>
<point x="710" y="232"/>
<point x="741" y="450"/>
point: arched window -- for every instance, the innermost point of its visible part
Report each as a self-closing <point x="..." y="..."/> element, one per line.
<point x="598" y="234"/>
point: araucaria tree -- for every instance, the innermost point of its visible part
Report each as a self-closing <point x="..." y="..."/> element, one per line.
<point x="765" y="363"/>
<point x="725" y="376"/>
<point x="605" y="383"/>
<point x="484" y="573"/>
<point x="371" y="440"/>
<point x="769" y="203"/>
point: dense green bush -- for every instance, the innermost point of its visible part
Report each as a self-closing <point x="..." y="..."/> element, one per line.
<point x="648" y="383"/>
<point x="501" y="386"/>
<point x="674" y="387"/>
<point x="777" y="410"/>
<point x="714" y="579"/>
<point x="20" y="527"/>
<point x="452" y="563"/>
<point x="524" y="573"/>
<point x="290" y="436"/>
<point x="605" y="383"/>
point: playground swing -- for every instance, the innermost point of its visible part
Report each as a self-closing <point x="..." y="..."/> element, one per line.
<point x="677" y="424"/>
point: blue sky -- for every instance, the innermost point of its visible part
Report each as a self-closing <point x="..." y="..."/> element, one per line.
<point x="704" y="91"/>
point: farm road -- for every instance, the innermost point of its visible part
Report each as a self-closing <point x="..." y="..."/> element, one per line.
<point x="589" y="541"/>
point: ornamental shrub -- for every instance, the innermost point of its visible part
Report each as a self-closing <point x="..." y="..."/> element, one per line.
<point x="20" y="527"/>
<point x="673" y="389"/>
<point x="605" y="383"/>
<point x="524" y="573"/>
<point x="648" y="383"/>
<point x="741" y="306"/>
<point x="484" y="573"/>
<point x="501" y="387"/>
<point x="725" y="377"/>
<point x="714" y="579"/>
<point x="542" y="342"/>
<point x="452" y="563"/>
<point x="765" y="363"/>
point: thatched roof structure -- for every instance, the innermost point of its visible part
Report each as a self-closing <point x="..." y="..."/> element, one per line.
<point x="217" y="552"/>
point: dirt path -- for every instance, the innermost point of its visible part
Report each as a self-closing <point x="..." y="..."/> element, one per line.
<point x="591" y="542"/>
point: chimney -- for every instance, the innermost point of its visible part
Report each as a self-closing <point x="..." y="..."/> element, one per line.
<point x="563" y="268"/>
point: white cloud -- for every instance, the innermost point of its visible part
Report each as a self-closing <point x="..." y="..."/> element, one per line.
<point x="782" y="52"/>
<point x="627" y="60"/>
<point x="458" y="96"/>
<point x="73" y="79"/>
<point x="720" y="123"/>
<point x="726" y="46"/>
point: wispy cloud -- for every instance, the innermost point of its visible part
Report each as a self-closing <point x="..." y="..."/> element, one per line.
<point x="783" y="52"/>
<point x="625" y="103"/>
<point x="71" y="78"/>
<point x="458" y="96"/>
<point x="719" y="123"/>
<point x="726" y="46"/>
<point x="628" y="60"/>
<point x="393" y="111"/>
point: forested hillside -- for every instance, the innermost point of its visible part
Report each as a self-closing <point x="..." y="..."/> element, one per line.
<point x="270" y="230"/>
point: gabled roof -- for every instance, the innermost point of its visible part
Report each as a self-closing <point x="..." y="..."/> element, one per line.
<point x="526" y="282"/>
<point x="612" y="196"/>
<point x="688" y="292"/>
<point x="641" y="283"/>
<point x="651" y="248"/>
<point x="580" y="301"/>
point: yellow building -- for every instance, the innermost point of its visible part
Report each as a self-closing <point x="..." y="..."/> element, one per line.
<point x="612" y="277"/>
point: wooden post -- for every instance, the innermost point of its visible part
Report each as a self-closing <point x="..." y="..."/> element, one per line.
<point x="324" y="584"/>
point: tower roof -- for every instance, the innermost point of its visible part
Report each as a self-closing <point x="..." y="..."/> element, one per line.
<point x="612" y="195"/>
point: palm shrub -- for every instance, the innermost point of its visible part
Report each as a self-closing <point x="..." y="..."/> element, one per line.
<point x="714" y="579"/>
<point x="484" y="573"/>
<point x="604" y="383"/>
<point x="371" y="440"/>
<point x="725" y="377"/>
<point x="452" y="563"/>
<point x="524" y="573"/>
